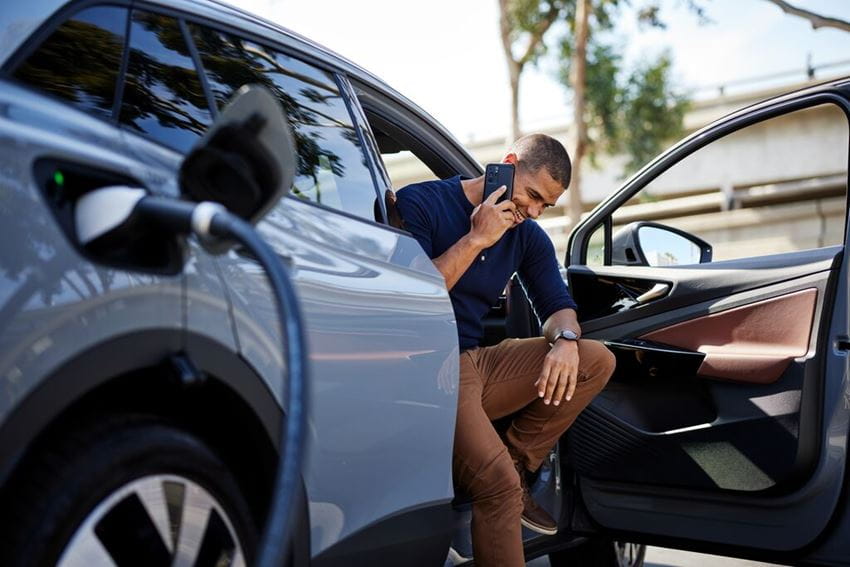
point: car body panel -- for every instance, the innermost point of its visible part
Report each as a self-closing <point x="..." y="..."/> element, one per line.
<point x="18" y="21"/>
<point x="207" y="312"/>
<point x="383" y="363"/>
<point x="55" y="303"/>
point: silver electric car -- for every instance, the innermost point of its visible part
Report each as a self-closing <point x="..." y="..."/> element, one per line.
<point x="141" y="389"/>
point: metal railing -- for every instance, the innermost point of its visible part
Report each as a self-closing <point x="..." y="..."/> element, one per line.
<point x="809" y="72"/>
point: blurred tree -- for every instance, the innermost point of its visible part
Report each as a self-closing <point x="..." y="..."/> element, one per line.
<point x="634" y="115"/>
<point x="522" y="24"/>
<point x="652" y="113"/>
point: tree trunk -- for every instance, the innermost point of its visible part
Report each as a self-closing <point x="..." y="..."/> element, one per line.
<point x="514" y="71"/>
<point x="578" y="71"/>
<point x="514" y="67"/>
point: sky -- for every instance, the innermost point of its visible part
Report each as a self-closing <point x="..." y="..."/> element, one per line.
<point x="446" y="55"/>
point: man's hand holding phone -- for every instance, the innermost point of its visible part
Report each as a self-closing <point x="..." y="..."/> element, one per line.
<point x="491" y="219"/>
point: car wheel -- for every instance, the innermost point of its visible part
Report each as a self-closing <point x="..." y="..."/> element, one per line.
<point x="132" y="491"/>
<point x="600" y="553"/>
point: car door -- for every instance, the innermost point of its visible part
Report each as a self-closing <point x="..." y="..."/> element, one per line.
<point x="380" y="327"/>
<point x="726" y="420"/>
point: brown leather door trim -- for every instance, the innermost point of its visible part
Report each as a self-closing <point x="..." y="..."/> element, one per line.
<point x="752" y="343"/>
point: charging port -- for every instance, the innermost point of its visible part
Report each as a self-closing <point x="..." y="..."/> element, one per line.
<point x="146" y="249"/>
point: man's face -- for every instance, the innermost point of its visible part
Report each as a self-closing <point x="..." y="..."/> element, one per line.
<point x="534" y="192"/>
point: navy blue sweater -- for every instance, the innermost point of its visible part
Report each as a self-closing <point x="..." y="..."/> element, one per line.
<point x="437" y="214"/>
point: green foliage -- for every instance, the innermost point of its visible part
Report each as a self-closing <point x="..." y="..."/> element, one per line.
<point x="528" y="21"/>
<point x="653" y="112"/>
<point x="604" y="99"/>
<point x="526" y="15"/>
<point x="630" y="111"/>
<point x="526" y="18"/>
<point x="649" y="14"/>
<point x="604" y="13"/>
<point x="604" y="96"/>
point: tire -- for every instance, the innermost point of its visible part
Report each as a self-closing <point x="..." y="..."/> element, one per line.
<point x="600" y="552"/>
<point x="130" y="490"/>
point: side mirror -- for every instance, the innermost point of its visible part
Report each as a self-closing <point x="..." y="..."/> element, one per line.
<point x="246" y="160"/>
<point x="653" y="244"/>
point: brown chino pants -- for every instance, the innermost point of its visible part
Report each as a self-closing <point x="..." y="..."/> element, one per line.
<point x="495" y="382"/>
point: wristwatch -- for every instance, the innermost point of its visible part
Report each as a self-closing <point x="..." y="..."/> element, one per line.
<point x="566" y="334"/>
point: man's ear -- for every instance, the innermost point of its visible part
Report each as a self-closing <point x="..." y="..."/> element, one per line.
<point x="511" y="158"/>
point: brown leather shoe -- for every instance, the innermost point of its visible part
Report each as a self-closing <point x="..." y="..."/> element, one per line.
<point x="533" y="516"/>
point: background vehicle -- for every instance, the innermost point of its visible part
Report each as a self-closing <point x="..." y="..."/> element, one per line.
<point x="135" y="393"/>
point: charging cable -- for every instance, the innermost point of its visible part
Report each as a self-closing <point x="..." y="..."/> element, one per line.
<point x="111" y="213"/>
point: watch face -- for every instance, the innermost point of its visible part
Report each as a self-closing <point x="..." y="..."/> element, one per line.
<point x="569" y="335"/>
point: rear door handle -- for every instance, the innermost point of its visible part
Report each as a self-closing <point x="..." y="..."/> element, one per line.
<point x="658" y="291"/>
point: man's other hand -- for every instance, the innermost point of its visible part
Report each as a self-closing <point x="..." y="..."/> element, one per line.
<point x="560" y="372"/>
<point x="490" y="220"/>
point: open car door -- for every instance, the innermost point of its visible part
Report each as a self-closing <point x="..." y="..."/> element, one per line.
<point x="726" y="421"/>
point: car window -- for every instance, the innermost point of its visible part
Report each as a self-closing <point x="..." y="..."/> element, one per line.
<point x="163" y="97"/>
<point x="404" y="167"/>
<point x="332" y="168"/>
<point x="79" y="62"/>
<point x="775" y="186"/>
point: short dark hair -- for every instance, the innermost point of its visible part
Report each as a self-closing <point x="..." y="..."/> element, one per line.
<point x="539" y="150"/>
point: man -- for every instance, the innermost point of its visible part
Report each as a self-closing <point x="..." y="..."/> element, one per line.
<point x="545" y="382"/>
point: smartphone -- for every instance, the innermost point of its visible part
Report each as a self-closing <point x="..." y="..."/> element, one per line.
<point x="496" y="175"/>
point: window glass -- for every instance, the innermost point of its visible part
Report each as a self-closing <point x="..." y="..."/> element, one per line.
<point x="596" y="247"/>
<point x="163" y="97"/>
<point x="332" y="169"/>
<point x="404" y="167"/>
<point x="80" y="61"/>
<point x="775" y="186"/>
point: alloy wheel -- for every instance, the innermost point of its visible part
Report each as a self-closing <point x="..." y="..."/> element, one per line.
<point x="629" y="554"/>
<point x="157" y="520"/>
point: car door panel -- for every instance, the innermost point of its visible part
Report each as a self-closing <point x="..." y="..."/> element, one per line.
<point x="680" y="403"/>
<point x="609" y="293"/>
<point x="752" y="343"/>
<point x="710" y="440"/>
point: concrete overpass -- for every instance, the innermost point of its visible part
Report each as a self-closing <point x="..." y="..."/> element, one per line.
<point x="773" y="187"/>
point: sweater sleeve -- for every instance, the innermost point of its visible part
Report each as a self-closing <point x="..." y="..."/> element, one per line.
<point x="415" y="217"/>
<point x="541" y="277"/>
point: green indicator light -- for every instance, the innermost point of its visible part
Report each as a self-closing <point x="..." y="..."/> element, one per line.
<point x="58" y="178"/>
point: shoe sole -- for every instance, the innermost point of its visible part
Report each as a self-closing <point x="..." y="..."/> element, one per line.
<point x="539" y="529"/>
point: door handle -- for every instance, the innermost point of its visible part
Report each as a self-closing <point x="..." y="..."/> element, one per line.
<point x="658" y="291"/>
